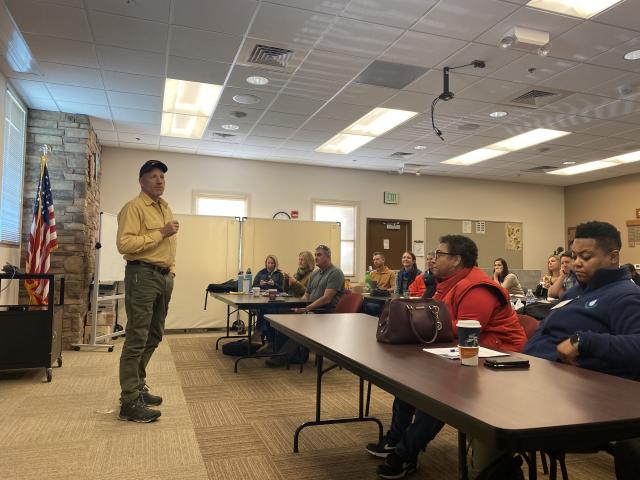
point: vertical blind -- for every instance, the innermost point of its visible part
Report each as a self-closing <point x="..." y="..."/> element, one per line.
<point x="12" y="169"/>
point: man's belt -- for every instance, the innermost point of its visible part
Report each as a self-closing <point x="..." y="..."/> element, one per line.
<point x="162" y="270"/>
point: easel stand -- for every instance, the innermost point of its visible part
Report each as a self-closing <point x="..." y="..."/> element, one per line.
<point x="95" y="298"/>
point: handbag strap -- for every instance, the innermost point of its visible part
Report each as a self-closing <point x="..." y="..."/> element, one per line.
<point x="437" y="325"/>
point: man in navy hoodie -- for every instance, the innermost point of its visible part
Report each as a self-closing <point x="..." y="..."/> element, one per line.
<point x="596" y="325"/>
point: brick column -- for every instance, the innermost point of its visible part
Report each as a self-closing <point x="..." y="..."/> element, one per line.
<point x="76" y="200"/>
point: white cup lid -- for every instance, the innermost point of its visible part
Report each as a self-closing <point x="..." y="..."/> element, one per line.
<point x="468" y="324"/>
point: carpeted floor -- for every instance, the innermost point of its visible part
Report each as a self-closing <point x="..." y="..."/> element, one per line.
<point x="215" y="424"/>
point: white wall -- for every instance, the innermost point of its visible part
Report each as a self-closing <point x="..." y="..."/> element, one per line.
<point x="275" y="187"/>
<point x="7" y="253"/>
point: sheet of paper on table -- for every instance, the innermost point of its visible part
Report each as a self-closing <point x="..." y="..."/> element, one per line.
<point x="454" y="353"/>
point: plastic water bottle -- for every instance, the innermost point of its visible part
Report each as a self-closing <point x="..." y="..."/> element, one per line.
<point x="240" y="281"/>
<point x="529" y="297"/>
<point x="248" y="281"/>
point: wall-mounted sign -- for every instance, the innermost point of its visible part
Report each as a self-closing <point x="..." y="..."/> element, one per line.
<point x="392" y="226"/>
<point x="294" y="213"/>
<point x="391" y="198"/>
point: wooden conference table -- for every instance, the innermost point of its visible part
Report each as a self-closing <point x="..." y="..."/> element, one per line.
<point x="549" y="406"/>
<point x="252" y="304"/>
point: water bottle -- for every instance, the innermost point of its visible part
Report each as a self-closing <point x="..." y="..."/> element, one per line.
<point x="529" y="297"/>
<point x="240" y="280"/>
<point x="248" y="281"/>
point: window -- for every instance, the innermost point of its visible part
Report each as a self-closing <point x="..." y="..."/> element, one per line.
<point x="220" y="205"/>
<point x="12" y="169"/>
<point x="345" y="214"/>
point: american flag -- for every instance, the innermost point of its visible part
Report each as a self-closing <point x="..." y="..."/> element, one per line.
<point x="43" y="238"/>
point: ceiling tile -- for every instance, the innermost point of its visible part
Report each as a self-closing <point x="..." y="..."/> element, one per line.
<point x="40" y="103"/>
<point x="333" y="7"/>
<point x="223" y="114"/>
<point x="61" y="50"/>
<point x="123" y="32"/>
<point x="102" y="124"/>
<point x="29" y="88"/>
<point x="494" y="58"/>
<point x="365" y="95"/>
<point x="395" y="13"/>
<point x="47" y="19"/>
<point x="531" y="18"/>
<point x="625" y="87"/>
<point x="325" y="124"/>
<point x="203" y="45"/>
<point x="410" y="49"/>
<point x="616" y="110"/>
<point x="66" y="93"/>
<point x="135" y="127"/>
<point x="289" y="26"/>
<point x="240" y="73"/>
<point x="490" y="90"/>
<point x="581" y="78"/>
<point x="106" y="135"/>
<point x="140" y="138"/>
<point x="70" y="75"/>
<point x="332" y="66"/>
<point x="312" y="87"/>
<point x="614" y="58"/>
<point x="134" y="115"/>
<point x="343" y="111"/>
<point x="125" y="82"/>
<point x="544" y="68"/>
<point x="130" y="61"/>
<point x="295" y="105"/>
<point x="228" y="93"/>
<point x="99" y="111"/>
<point x="197" y="71"/>
<point x="179" y="142"/>
<point x="360" y="39"/>
<point x="272" y="131"/>
<point x="578" y="104"/>
<point x="463" y="19"/>
<point x="157" y="10"/>
<point x="623" y="14"/>
<point x="412" y="101"/>
<point x="256" y="141"/>
<point x="588" y="40"/>
<point x="133" y="100"/>
<point x="231" y="17"/>
<point x="137" y="146"/>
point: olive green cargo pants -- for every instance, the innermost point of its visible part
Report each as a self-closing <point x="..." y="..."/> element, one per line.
<point x="147" y="295"/>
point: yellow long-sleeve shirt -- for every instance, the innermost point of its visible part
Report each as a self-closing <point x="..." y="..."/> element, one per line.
<point x="139" y="237"/>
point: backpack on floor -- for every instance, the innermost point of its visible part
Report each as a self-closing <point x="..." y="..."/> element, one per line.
<point x="239" y="348"/>
<point x="507" y="467"/>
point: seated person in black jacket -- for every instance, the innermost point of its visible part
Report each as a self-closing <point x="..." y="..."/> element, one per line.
<point x="270" y="276"/>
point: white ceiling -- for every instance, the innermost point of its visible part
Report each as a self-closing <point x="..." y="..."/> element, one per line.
<point x="109" y="58"/>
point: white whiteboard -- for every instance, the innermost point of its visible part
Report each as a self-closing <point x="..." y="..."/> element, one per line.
<point x="111" y="261"/>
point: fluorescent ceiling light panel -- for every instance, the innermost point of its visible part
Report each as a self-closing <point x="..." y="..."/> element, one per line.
<point x="190" y="98"/>
<point x="183" y="126"/>
<point x="525" y="140"/>
<point x="599" y="164"/>
<point x="475" y="156"/>
<point x="573" y="8"/>
<point x="343" y="143"/>
<point x="379" y="121"/>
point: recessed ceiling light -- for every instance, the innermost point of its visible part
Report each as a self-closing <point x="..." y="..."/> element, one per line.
<point x="256" y="80"/>
<point x="343" y="143"/>
<point x="573" y="8"/>
<point x="498" y="114"/>
<point x="420" y="147"/>
<point x="379" y="121"/>
<point x="187" y="106"/>
<point x="568" y="163"/>
<point x="246" y="99"/>
<point x="634" y="55"/>
<point x="599" y="164"/>
<point x="230" y="126"/>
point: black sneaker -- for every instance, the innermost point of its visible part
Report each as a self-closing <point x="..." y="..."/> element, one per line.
<point x="149" y="398"/>
<point x="137" y="411"/>
<point x="395" y="466"/>
<point x="382" y="449"/>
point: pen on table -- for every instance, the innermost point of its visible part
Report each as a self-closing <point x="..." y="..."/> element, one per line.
<point x="452" y="350"/>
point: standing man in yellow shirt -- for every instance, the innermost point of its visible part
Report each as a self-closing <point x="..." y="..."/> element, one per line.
<point x="147" y="239"/>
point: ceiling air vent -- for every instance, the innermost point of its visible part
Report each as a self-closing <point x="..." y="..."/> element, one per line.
<point x="222" y="136"/>
<point x="400" y="154"/>
<point x="536" y="98"/>
<point x="540" y="169"/>
<point x="270" y="56"/>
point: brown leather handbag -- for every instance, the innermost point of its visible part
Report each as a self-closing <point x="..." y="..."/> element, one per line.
<point x="414" y="320"/>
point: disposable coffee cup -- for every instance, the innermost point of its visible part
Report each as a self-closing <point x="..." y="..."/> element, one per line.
<point x="469" y="356"/>
<point x="256" y="290"/>
<point x="469" y="341"/>
<point x="272" y="293"/>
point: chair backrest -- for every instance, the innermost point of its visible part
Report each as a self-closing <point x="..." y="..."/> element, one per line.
<point x="529" y="324"/>
<point x="349" y="303"/>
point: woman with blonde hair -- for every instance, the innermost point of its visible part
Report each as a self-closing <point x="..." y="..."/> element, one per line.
<point x="299" y="280"/>
<point x="270" y="276"/>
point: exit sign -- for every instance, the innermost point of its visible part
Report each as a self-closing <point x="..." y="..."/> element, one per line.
<point x="391" y="197"/>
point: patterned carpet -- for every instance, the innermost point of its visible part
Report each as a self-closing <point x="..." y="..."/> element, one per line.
<point x="215" y="424"/>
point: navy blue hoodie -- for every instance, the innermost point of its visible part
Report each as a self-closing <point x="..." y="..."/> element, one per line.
<point x="606" y="312"/>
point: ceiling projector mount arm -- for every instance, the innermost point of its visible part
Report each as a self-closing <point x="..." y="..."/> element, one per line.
<point x="447" y="94"/>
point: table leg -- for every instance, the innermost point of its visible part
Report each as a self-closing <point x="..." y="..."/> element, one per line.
<point x="463" y="472"/>
<point x="366" y="411"/>
<point x="360" y="418"/>
<point x="229" y="313"/>
<point x="531" y="460"/>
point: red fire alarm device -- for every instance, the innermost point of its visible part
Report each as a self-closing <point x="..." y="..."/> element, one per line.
<point x="294" y="213"/>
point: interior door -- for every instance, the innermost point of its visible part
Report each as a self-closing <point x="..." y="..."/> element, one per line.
<point x="389" y="236"/>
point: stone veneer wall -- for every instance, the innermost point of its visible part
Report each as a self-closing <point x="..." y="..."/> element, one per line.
<point x="76" y="200"/>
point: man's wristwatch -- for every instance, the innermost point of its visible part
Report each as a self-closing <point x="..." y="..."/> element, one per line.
<point x="575" y="341"/>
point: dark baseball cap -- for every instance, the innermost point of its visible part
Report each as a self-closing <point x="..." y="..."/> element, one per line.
<point x="150" y="165"/>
